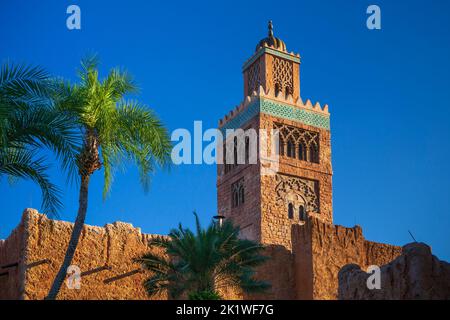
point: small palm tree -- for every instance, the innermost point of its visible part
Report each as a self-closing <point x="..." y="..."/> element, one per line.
<point x="113" y="130"/>
<point x="28" y="123"/>
<point x="200" y="264"/>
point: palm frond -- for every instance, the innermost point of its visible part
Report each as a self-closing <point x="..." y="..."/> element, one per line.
<point x="21" y="81"/>
<point x="29" y="120"/>
<point x="207" y="260"/>
<point x="20" y="163"/>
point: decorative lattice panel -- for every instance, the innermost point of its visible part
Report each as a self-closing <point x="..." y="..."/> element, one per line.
<point x="302" y="191"/>
<point x="297" y="135"/>
<point x="283" y="75"/>
<point x="254" y="78"/>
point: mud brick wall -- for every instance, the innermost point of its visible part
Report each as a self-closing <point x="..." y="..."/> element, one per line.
<point x="39" y="244"/>
<point x="416" y="274"/>
<point x="321" y="249"/>
<point x="11" y="264"/>
<point x="278" y="271"/>
<point x="309" y="271"/>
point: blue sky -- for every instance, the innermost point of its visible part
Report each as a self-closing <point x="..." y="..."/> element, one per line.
<point x="388" y="93"/>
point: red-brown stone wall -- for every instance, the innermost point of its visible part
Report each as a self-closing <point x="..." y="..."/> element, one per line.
<point x="276" y="226"/>
<point x="11" y="264"/>
<point x="46" y="241"/>
<point x="309" y="271"/>
<point x="414" y="275"/>
<point x="321" y="250"/>
<point x="247" y="215"/>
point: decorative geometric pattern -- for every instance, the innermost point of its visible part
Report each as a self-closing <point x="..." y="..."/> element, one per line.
<point x="254" y="80"/>
<point x="272" y="52"/>
<point x="284" y="111"/>
<point x="301" y="191"/>
<point x="283" y="76"/>
<point x="298" y="143"/>
<point x="243" y="117"/>
<point x="279" y="110"/>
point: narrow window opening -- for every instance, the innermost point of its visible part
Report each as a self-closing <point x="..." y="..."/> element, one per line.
<point x="291" y="211"/>
<point x="247" y="150"/>
<point x="301" y="151"/>
<point x="313" y="154"/>
<point x="282" y="144"/>
<point x="241" y="195"/>
<point x="290" y="149"/>
<point x="301" y="213"/>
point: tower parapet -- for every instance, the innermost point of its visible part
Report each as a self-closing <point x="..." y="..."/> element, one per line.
<point x="284" y="107"/>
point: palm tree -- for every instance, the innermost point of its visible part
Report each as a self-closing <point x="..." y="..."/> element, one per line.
<point x="114" y="130"/>
<point x="28" y="123"/>
<point x="201" y="264"/>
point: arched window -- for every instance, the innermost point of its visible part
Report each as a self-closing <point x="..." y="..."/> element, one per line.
<point x="301" y="213"/>
<point x="313" y="154"/>
<point x="287" y="91"/>
<point x="235" y="198"/>
<point x="301" y="151"/>
<point x="237" y="193"/>
<point x="290" y="149"/>
<point x="282" y="145"/>
<point x="278" y="89"/>
<point x="291" y="211"/>
<point x="241" y="195"/>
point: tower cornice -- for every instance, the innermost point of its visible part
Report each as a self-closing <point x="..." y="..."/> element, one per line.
<point x="306" y="113"/>
<point x="269" y="50"/>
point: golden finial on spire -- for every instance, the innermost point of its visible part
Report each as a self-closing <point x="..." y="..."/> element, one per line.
<point x="270" y="26"/>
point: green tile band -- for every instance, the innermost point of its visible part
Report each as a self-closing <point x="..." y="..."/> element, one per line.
<point x="279" y="110"/>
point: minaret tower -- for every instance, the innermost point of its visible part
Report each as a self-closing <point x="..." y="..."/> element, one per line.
<point x="267" y="205"/>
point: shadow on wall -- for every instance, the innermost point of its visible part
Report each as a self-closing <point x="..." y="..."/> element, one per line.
<point x="279" y="272"/>
<point x="415" y="274"/>
<point x="32" y="254"/>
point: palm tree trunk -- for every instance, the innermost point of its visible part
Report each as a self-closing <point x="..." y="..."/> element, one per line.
<point x="76" y="233"/>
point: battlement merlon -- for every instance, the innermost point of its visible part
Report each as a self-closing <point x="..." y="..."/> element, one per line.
<point x="277" y="106"/>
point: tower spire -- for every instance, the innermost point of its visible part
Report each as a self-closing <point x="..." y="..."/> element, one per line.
<point x="270" y="40"/>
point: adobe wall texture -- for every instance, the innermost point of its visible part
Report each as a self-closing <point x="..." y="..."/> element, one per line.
<point x="39" y="243"/>
<point x="416" y="274"/>
<point x="308" y="271"/>
<point x="12" y="254"/>
<point x="278" y="271"/>
<point x="320" y="250"/>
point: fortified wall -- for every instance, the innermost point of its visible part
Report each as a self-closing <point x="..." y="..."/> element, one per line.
<point x="415" y="274"/>
<point x="320" y="250"/>
<point x="32" y="254"/>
